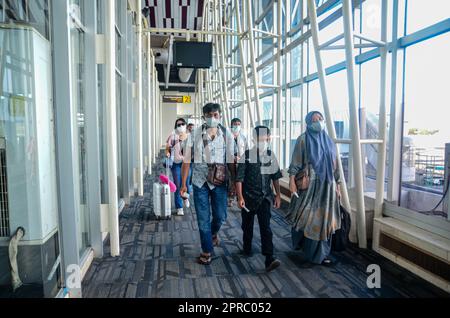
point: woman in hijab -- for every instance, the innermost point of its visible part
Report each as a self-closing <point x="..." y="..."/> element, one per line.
<point x="314" y="211"/>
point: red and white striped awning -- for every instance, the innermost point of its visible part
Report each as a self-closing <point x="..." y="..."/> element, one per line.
<point x="175" y="14"/>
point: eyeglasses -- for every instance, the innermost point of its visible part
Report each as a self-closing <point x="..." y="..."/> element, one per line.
<point x="180" y="125"/>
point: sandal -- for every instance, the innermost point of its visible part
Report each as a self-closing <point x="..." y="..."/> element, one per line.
<point x="327" y="262"/>
<point x="216" y="240"/>
<point x="204" y="259"/>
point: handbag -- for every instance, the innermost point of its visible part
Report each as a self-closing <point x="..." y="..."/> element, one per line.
<point x="302" y="179"/>
<point x="168" y="162"/>
<point x="340" y="239"/>
<point x="217" y="174"/>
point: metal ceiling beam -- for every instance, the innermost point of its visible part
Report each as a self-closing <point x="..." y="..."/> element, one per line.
<point x="169" y="61"/>
<point x="184" y="31"/>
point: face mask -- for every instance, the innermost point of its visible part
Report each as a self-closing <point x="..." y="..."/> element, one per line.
<point x="181" y="129"/>
<point x="212" y="122"/>
<point x="262" y="145"/>
<point x="318" y="126"/>
<point x="236" y="129"/>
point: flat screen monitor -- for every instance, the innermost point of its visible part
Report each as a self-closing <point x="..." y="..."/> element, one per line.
<point x="192" y="54"/>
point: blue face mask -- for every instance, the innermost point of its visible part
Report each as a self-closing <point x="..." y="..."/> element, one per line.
<point x="318" y="126"/>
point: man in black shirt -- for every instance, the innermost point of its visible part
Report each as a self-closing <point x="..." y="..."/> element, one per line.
<point x="257" y="169"/>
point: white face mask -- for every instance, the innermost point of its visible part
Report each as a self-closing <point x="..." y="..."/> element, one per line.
<point x="262" y="145"/>
<point x="212" y="122"/>
<point x="236" y="129"/>
<point x="182" y="129"/>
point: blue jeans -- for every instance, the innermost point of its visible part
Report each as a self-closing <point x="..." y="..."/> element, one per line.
<point x="189" y="182"/>
<point x="218" y="207"/>
<point x="176" y="173"/>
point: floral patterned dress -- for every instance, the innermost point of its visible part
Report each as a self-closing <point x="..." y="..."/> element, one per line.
<point x="315" y="214"/>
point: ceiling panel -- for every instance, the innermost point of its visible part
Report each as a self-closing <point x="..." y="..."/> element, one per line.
<point x="178" y="14"/>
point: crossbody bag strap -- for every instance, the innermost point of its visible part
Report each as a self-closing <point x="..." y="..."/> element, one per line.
<point x="206" y="143"/>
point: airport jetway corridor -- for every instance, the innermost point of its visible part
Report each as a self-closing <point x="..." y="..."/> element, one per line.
<point x="158" y="260"/>
<point x="98" y="97"/>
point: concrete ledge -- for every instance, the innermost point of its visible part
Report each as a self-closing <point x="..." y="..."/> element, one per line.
<point x="86" y="262"/>
<point x="432" y="244"/>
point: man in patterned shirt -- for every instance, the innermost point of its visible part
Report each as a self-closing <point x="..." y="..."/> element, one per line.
<point x="209" y="146"/>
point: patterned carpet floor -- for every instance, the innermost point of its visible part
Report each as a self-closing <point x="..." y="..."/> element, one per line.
<point x="158" y="260"/>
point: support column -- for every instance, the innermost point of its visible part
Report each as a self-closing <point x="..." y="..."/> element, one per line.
<point x="140" y="152"/>
<point x="110" y="54"/>
<point x="381" y="160"/>
<point x="92" y="124"/>
<point x="244" y="64"/>
<point x="223" y="50"/>
<point x="211" y="86"/>
<point x="155" y="114"/>
<point x="220" y="58"/>
<point x="278" y="119"/>
<point x="67" y="147"/>
<point x="251" y="43"/>
<point x="354" y="122"/>
<point x="395" y="126"/>
<point x="287" y="76"/>
<point x="159" y="120"/>
<point x="149" y="101"/>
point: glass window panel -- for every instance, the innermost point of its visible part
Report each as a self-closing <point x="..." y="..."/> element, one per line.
<point x="311" y="58"/>
<point x="267" y="104"/>
<point x="370" y="111"/>
<point x="426" y="129"/>
<point x="77" y="46"/>
<point x="331" y="57"/>
<point x="296" y="115"/>
<point x="296" y="12"/>
<point x="422" y="14"/>
<point x="371" y="21"/>
<point x="314" y="97"/>
<point x="296" y="60"/>
<point x="34" y="13"/>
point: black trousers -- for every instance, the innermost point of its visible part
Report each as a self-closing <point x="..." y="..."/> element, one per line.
<point x="264" y="213"/>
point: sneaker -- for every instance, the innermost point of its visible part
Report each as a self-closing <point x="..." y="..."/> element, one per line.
<point x="180" y="212"/>
<point x="271" y="264"/>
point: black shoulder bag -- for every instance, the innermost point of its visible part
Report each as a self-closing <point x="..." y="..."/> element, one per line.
<point x="340" y="240"/>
